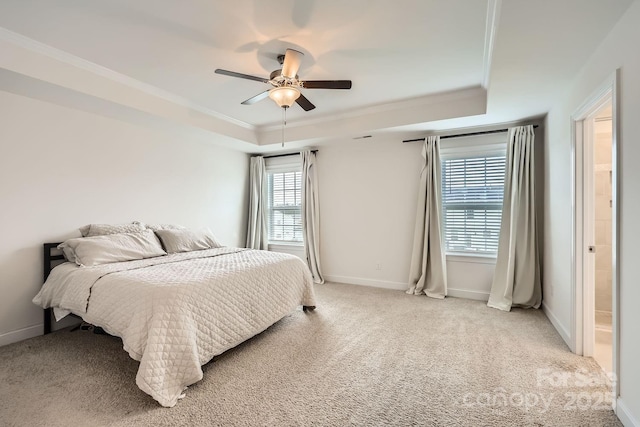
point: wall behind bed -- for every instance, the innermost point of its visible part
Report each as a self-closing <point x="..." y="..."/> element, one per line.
<point x="61" y="168"/>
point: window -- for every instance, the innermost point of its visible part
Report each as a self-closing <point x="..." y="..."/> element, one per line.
<point x="284" y="206"/>
<point x="472" y="191"/>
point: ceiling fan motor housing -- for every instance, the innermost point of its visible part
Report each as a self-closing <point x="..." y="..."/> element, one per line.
<point x="277" y="75"/>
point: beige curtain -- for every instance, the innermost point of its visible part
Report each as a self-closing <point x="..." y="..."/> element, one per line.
<point x="428" y="273"/>
<point x="257" y="221"/>
<point x="311" y="214"/>
<point x="516" y="282"/>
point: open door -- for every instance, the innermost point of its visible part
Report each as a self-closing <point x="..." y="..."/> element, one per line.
<point x="595" y="323"/>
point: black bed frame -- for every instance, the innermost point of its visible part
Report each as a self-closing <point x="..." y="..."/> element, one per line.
<point x="52" y="257"/>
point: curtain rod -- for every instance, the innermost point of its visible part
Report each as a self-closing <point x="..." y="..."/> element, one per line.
<point x="285" y="155"/>
<point x="486" y="132"/>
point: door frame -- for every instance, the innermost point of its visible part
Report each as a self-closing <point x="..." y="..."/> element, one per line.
<point x="582" y="321"/>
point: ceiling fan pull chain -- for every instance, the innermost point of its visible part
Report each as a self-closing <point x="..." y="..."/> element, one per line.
<point x="284" y="123"/>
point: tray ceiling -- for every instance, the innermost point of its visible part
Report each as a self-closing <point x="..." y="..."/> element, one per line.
<point x="482" y="61"/>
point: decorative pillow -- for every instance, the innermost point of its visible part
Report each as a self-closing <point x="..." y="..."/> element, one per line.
<point x="93" y="230"/>
<point x="187" y="240"/>
<point x="89" y="251"/>
<point x="156" y="227"/>
<point x="68" y="253"/>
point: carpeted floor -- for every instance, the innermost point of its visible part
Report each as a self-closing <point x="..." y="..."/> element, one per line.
<point x="366" y="357"/>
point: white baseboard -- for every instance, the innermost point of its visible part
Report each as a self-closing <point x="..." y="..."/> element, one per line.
<point x="624" y="414"/>
<point x="566" y="336"/>
<point x="20" y="334"/>
<point x="398" y="286"/>
<point x="467" y="294"/>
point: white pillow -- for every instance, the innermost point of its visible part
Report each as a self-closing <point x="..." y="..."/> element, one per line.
<point x="68" y="253"/>
<point x="156" y="227"/>
<point x="187" y="240"/>
<point x="89" y="251"/>
<point x="92" y="230"/>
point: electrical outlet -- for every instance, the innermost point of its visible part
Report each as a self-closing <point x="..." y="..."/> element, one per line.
<point x="378" y="265"/>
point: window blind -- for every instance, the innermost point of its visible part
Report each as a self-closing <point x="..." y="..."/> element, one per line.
<point x="472" y="192"/>
<point x="284" y="203"/>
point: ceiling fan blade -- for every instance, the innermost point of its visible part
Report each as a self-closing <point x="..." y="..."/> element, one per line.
<point x="305" y="103"/>
<point x="326" y="84"/>
<point x="240" y="75"/>
<point x="291" y="64"/>
<point x="258" y="97"/>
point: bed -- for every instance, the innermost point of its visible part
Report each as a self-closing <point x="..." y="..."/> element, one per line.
<point x="175" y="312"/>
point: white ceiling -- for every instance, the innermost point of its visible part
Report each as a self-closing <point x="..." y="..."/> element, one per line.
<point x="416" y="65"/>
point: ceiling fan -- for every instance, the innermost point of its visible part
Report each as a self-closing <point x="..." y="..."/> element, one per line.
<point x="286" y="86"/>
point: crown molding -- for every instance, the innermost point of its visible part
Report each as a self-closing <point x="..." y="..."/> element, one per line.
<point x="493" y="18"/>
<point x="75" y="61"/>
<point x="413" y="103"/>
<point x="436" y="107"/>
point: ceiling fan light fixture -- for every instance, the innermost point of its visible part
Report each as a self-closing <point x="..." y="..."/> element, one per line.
<point x="284" y="96"/>
<point x="285" y="85"/>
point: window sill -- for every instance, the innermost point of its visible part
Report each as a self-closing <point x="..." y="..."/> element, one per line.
<point x="473" y="258"/>
<point x="286" y="245"/>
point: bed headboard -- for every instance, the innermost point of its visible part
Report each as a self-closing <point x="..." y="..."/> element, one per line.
<point x="52" y="257"/>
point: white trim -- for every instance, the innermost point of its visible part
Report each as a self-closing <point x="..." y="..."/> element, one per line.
<point x="590" y="105"/>
<point x="289" y="246"/>
<point x="385" y="284"/>
<point x="21" y="334"/>
<point x="576" y="343"/>
<point x="92" y="67"/>
<point x="588" y="239"/>
<point x="596" y="100"/>
<point x="615" y="217"/>
<point x="493" y="18"/>
<point x="355" y="113"/>
<point x="607" y="91"/>
<point x="562" y="331"/>
<point x="470" y="258"/>
<point x="467" y="294"/>
<point x="624" y="414"/>
<point x="401" y="286"/>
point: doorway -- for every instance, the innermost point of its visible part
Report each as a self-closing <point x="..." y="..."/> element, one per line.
<point x="595" y="233"/>
<point x="601" y="230"/>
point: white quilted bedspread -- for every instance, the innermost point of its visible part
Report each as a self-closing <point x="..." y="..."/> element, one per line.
<point x="175" y="313"/>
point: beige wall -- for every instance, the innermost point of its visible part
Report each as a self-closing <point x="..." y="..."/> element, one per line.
<point x="368" y="199"/>
<point x="61" y="168"/>
<point x="603" y="223"/>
